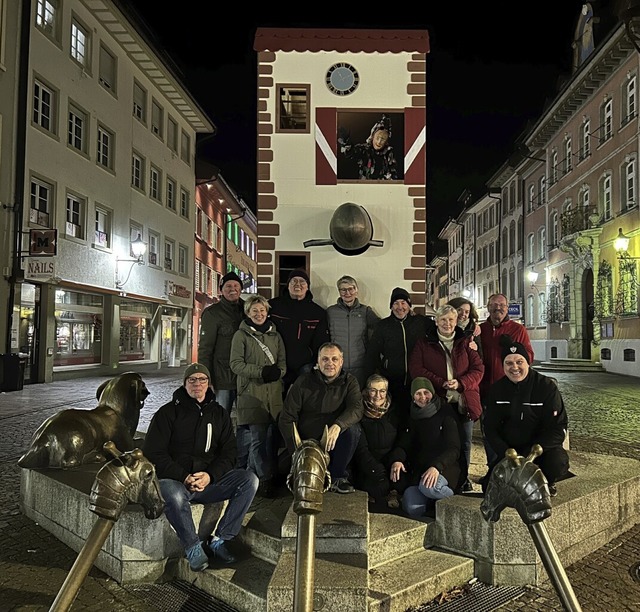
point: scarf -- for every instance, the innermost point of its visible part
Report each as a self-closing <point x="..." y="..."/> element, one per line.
<point x="447" y="344"/>
<point x="263" y="329"/>
<point x="375" y="412"/>
<point x="423" y="413"/>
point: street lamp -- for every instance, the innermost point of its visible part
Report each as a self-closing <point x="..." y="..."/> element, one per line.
<point x="621" y="244"/>
<point x="532" y="277"/>
<point x="138" y="248"/>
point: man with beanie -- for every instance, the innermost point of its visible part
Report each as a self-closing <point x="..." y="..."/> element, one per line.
<point x="302" y="324"/>
<point x="217" y="325"/>
<point x="525" y="408"/>
<point x="391" y="344"/>
<point x="425" y="461"/>
<point x="191" y="443"/>
<point x="497" y="324"/>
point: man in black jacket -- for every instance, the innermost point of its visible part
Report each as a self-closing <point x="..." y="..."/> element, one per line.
<point x="329" y="397"/>
<point x="192" y="445"/>
<point x="302" y="324"/>
<point x="525" y="408"/>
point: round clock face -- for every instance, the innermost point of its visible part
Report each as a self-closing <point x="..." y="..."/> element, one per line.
<point x="342" y="79"/>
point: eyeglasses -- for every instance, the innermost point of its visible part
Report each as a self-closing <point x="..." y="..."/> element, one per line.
<point x="196" y="380"/>
<point x="294" y="281"/>
<point x="347" y="290"/>
<point x="377" y="391"/>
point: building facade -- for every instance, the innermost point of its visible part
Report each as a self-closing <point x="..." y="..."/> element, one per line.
<point x="102" y="162"/>
<point x="328" y="200"/>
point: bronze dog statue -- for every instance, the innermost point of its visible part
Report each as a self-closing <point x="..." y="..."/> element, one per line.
<point x="73" y="437"/>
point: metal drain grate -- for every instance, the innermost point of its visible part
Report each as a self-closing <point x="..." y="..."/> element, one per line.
<point x="177" y="596"/>
<point x="478" y="597"/>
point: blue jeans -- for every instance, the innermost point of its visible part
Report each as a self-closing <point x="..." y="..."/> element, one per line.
<point x="342" y="453"/>
<point x="226" y="397"/>
<point x="417" y="499"/>
<point x="466" y="436"/>
<point x="256" y="449"/>
<point x="238" y="486"/>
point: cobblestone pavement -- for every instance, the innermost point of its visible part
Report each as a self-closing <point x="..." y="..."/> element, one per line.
<point x="604" y="417"/>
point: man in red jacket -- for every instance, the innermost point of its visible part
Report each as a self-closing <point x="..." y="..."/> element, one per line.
<point x="497" y="324"/>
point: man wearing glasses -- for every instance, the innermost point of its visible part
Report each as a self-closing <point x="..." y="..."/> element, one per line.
<point x="351" y="325"/>
<point x="301" y="322"/>
<point x="192" y="445"/>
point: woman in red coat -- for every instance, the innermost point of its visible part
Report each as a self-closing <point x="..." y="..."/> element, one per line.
<point x="455" y="369"/>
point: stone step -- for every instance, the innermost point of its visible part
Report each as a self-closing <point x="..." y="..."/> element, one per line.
<point x="415" y="579"/>
<point x="392" y="537"/>
<point x="569" y="365"/>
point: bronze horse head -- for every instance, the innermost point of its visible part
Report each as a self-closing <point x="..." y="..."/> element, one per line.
<point x="128" y="477"/>
<point x="309" y="476"/>
<point x="520" y="485"/>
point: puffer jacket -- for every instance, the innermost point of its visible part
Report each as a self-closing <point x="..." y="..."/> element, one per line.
<point x="351" y="328"/>
<point x="428" y="359"/>
<point x="257" y="401"/>
<point x="218" y="324"/>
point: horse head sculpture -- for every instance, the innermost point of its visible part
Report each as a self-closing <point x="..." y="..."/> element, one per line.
<point x="309" y="477"/>
<point x="520" y="485"/>
<point x="128" y="477"/>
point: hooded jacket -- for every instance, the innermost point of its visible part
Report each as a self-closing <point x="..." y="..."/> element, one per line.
<point x="257" y="401"/>
<point x="217" y="325"/>
<point x="303" y="327"/>
<point x="184" y="438"/>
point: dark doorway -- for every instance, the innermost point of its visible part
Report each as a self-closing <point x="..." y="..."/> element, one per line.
<point x="285" y="263"/>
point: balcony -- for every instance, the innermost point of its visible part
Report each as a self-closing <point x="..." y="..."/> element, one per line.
<point x="577" y="220"/>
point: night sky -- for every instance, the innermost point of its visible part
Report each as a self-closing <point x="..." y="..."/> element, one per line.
<point x="490" y="72"/>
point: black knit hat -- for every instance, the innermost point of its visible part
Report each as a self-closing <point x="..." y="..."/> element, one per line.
<point x="196" y="368"/>
<point x="300" y="273"/>
<point x="509" y="347"/>
<point x="399" y="294"/>
<point x="230" y="276"/>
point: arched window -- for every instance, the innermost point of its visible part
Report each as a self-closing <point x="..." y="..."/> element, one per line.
<point x="542" y="309"/>
<point x="553" y="225"/>
<point x="504" y="247"/>
<point x="629" y="185"/>
<point x="605" y="196"/>
<point x="542" y="243"/>
<point x="512" y="237"/>
<point x="542" y="189"/>
<point x="554" y="167"/>
<point x="531" y="248"/>
<point x="530" y="314"/>
<point x="585" y="141"/>
<point x="568" y="154"/>
<point x="531" y="198"/>
<point x="606" y="120"/>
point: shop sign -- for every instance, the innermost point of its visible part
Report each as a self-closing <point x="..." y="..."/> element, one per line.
<point x="175" y="290"/>
<point x="40" y="269"/>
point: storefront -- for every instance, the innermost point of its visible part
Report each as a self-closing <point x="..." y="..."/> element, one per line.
<point x="78" y="328"/>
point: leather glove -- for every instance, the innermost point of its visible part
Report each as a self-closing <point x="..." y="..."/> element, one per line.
<point x="270" y="373"/>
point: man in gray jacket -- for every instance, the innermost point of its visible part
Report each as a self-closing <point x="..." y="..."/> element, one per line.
<point x="351" y="325"/>
<point x="218" y="324"/>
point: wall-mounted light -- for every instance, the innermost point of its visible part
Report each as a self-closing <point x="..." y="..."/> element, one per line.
<point x="532" y="277"/>
<point x="138" y="248"/>
<point x="621" y="244"/>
